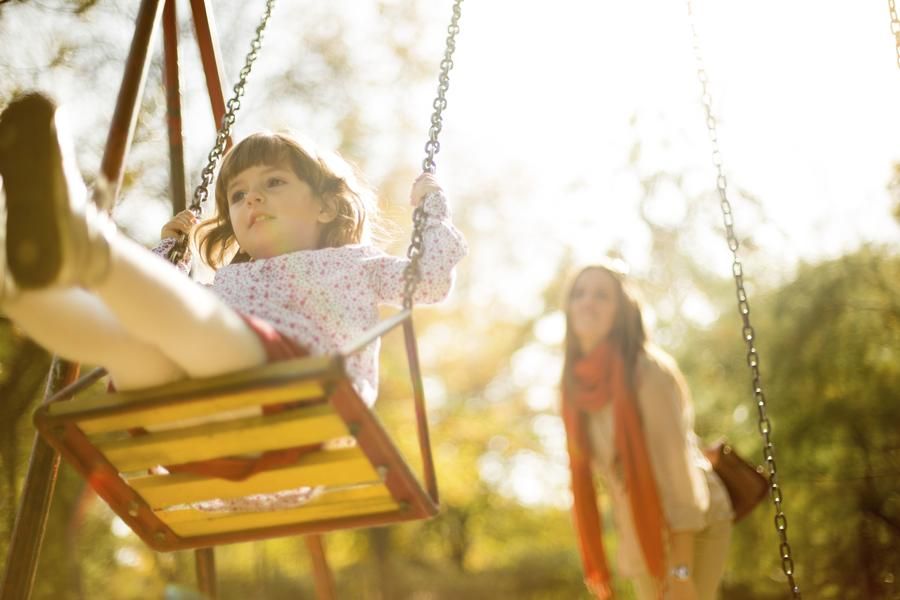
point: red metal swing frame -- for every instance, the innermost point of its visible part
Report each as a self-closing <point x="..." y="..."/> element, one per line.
<point x="58" y="421"/>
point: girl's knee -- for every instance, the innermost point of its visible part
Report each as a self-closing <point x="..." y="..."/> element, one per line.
<point x="142" y="368"/>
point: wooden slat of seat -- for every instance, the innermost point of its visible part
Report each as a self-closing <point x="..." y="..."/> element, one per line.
<point x="161" y="415"/>
<point x="284" y="381"/>
<point x="308" y="425"/>
<point x="326" y="468"/>
<point x="372" y="499"/>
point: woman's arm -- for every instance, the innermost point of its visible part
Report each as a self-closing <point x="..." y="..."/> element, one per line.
<point x="665" y="409"/>
<point x="681" y="566"/>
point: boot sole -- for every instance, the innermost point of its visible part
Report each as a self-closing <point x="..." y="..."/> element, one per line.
<point x="36" y="192"/>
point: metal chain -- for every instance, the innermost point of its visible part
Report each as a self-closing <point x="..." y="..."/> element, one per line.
<point x="747" y="332"/>
<point x="411" y="274"/>
<point x="895" y="27"/>
<point x="232" y="106"/>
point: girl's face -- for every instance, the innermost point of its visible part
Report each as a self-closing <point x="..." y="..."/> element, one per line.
<point x="593" y="304"/>
<point x="273" y="211"/>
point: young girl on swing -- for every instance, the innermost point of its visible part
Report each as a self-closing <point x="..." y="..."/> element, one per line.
<point x="295" y="274"/>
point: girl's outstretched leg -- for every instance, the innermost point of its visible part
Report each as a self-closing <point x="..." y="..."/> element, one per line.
<point x="57" y="238"/>
<point x="163" y="307"/>
<point x="77" y="326"/>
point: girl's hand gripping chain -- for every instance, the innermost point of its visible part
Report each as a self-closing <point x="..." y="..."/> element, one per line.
<point x="181" y="224"/>
<point x="425" y="184"/>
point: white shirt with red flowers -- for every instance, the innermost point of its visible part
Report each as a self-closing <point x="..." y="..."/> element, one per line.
<point x="325" y="299"/>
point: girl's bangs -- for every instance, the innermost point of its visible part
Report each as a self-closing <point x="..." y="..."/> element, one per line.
<point x="255" y="151"/>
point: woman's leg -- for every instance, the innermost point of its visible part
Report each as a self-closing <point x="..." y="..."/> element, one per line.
<point x="77" y="326"/>
<point x="710" y="558"/>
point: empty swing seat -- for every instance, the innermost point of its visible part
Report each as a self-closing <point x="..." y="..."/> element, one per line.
<point x="360" y="484"/>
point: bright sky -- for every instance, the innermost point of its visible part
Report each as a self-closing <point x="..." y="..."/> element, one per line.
<point x="539" y="125"/>
<point x="806" y="92"/>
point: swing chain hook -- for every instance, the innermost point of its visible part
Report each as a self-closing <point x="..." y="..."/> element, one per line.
<point x="895" y="27"/>
<point x="201" y="193"/>
<point x="411" y="274"/>
<point x="747" y="332"/>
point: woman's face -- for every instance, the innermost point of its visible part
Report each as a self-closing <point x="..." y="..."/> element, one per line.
<point x="592" y="307"/>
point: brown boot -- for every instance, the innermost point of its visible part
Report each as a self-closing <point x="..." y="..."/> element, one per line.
<point x="54" y="233"/>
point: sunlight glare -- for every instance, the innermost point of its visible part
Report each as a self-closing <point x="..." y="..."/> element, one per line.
<point x="535" y="364"/>
<point x="740" y="414"/>
<point x="541" y="397"/>
<point x="696" y="308"/>
<point x="533" y="480"/>
<point x="550" y="329"/>
<point x="552" y="435"/>
<point x="128" y="557"/>
<point x="119" y="528"/>
<point x="435" y="392"/>
<point x="491" y="468"/>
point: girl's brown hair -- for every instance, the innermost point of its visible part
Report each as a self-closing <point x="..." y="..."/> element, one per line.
<point x="332" y="179"/>
<point x="628" y="334"/>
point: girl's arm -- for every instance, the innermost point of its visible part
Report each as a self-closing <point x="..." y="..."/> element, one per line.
<point x="443" y="247"/>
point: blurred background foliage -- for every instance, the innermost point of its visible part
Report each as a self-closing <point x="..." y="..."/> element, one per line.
<point x="829" y="339"/>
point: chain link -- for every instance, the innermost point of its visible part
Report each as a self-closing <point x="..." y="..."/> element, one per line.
<point x="411" y="274"/>
<point x="895" y="27"/>
<point x="747" y="332"/>
<point x="224" y="134"/>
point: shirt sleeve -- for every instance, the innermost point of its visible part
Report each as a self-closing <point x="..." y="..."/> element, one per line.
<point x="668" y="423"/>
<point x="165" y="246"/>
<point x="443" y="246"/>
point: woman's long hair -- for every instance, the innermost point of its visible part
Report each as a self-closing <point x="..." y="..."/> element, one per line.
<point x="628" y="334"/>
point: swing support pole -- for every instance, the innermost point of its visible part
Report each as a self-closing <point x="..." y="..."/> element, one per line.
<point x="205" y="565"/>
<point x="210" y="58"/>
<point x="40" y="481"/>
<point x="204" y="558"/>
<point x="178" y="181"/>
<point x="34" y="506"/>
<point x="322" y="576"/>
<point x="124" y="120"/>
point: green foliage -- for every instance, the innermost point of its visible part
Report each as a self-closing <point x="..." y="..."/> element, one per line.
<point x="830" y="348"/>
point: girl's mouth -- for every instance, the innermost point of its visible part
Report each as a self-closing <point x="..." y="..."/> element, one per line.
<point x="258" y="218"/>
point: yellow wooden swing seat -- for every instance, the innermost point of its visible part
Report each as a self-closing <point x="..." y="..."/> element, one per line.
<point x="362" y="484"/>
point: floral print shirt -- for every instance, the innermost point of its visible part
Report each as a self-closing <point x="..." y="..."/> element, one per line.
<point x="325" y="299"/>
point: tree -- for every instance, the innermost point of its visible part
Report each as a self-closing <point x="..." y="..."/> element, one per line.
<point x="830" y="348"/>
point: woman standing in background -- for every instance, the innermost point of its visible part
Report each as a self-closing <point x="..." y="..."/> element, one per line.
<point x="628" y="414"/>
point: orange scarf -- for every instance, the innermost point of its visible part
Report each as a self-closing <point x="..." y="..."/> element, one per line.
<point x="598" y="379"/>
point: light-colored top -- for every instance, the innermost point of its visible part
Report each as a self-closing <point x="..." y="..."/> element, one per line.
<point x="325" y="299"/>
<point x="691" y="494"/>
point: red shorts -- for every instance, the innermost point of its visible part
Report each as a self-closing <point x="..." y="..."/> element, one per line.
<point x="277" y="346"/>
<point x="236" y="468"/>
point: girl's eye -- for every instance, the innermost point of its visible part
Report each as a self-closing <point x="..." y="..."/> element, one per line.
<point x="275" y="181"/>
<point x="237" y="197"/>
